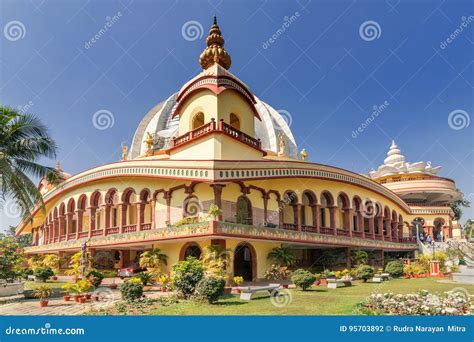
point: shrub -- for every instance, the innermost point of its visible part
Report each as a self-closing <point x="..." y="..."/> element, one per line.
<point x="131" y="291"/>
<point x="43" y="292"/>
<point x="394" y="268"/>
<point x="364" y="272"/>
<point x="43" y="273"/>
<point x="303" y="279"/>
<point x="145" y="277"/>
<point x="25" y="272"/>
<point x="186" y="275"/>
<point x="276" y="272"/>
<point x="210" y="288"/>
<point x="95" y="278"/>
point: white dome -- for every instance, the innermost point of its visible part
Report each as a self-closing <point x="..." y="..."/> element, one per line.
<point x="159" y="121"/>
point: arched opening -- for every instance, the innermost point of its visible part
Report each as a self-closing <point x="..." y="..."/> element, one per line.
<point x="95" y="212"/>
<point x="71" y="211"/>
<point x="368" y="213"/>
<point x="129" y="211"/>
<point x="245" y="262"/>
<point x="190" y="249"/>
<point x="308" y="210"/>
<point x="234" y="121"/>
<point x="378" y="223"/>
<point x="290" y="212"/>
<point x="343" y="206"/>
<point x="386" y="222"/>
<point x="243" y="210"/>
<point x="327" y="205"/>
<point x="146" y="210"/>
<point x="356" y="214"/>
<point x="417" y="228"/>
<point x="111" y="211"/>
<point x="198" y="120"/>
<point x="438" y="234"/>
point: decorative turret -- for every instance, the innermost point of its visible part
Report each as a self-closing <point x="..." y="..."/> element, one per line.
<point x="394" y="155"/>
<point x="215" y="53"/>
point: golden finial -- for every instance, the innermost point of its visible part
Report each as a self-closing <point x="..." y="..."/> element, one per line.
<point x="304" y="154"/>
<point x="215" y="53"/>
<point x="282" y="145"/>
<point x="124" y="152"/>
<point x="149" y="144"/>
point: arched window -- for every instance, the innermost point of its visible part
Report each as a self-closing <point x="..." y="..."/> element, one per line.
<point x="244" y="210"/>
<point x="198" y="120"/>
<point x="192" y="251"/>
<point x="234" y="121"/>
<point x="326" y="202"/>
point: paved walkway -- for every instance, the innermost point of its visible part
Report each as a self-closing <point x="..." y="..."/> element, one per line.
<point x="58" y="307"/>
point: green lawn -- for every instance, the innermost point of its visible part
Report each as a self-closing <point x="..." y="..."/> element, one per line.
<point x="317" y="301"/>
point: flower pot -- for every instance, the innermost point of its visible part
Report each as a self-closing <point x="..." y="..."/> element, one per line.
<point x="82" y="300"/>
<point x="66" y="298"/>
<point x="113" y="286"/>
<point x="316" y="283"/>
<point x="43" y="303"/>
<point x="227" y="290"/>
<point x="55" y="278"/>
<point x="147" y="288"/>
<point x="285" y="286"/>
<point x="76" y="298"/>
<point x="88" y="296"/>
<point x="164" y="289"/>
<point x="323" y="281"/>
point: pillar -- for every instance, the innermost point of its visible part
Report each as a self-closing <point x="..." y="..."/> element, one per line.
<point x="332" y="219"/>
<point x="92" y="211"/>
<point x="316" y="213"/>
<point x="347" y="224"/>
<point x="218" y="197"/>
<point x="140" y="214"/>
<point x="80" y="216"/>
<point x="68" y="224"/>
<point x="297" y="215"/>
<point x="265" y="197"/>
<point x="153" y="213"/>
<point x="123" y="216"/>
<point x="372" y="227"/>
<point x="167" y="196"/>
<point x="280" y="214"/>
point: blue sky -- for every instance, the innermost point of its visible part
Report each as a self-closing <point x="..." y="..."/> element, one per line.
<point x="323" y="72"/>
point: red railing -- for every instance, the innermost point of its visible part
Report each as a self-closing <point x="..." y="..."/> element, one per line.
<point x="97" y="232"/>
<point x="112" y="230"/>
<point x="342" y="232"/>
<point x="309" y="229"/>
<point x="378" y="237"/>
<point x="62" y="238"/>
<point x="290" y="226"/>
<point x="71" y="236"/>
<point x="130" y="228"/>
<point x="326" y="230"/>
<point x="146" y="226"/>
<point x="82" y="235"/>
<point x="221" y="127"/>
<point x="358" y="234"/>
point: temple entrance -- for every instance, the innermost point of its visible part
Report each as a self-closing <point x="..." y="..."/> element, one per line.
<point x="243" y="266"/>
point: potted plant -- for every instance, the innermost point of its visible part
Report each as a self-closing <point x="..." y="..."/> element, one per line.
<point x="146" y="279"/>
<point x="83" y="286"/>
<point x="238" y="280"/>
<point x="153" y="260"/>
<point x="111" y="274"/>
<point x="75" y="291"/>
<point x="214" y="211"/>
<point x="324" y="277"/>
<point x="164" y="280"/>
<point x="318" y="279"/>
<point x="43" y="292"/>
<point x="67" y="289"/>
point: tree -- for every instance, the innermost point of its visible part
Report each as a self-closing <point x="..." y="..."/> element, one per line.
<point x="457" y="207"/>
<point x="216" y="260"/>
<point x="11" y="256"/>
<point x="468" y="228"/>
<point x="153" y="259"/>
<point x="24" y="240"/>
<point x="282" y="255"/>
<point x="23" y="140"/>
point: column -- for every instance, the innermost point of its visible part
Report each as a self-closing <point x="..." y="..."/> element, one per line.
<point x="140" y="214"/>
<point x="360" y="223"/>
<point x="61" y="226"/>
<point x="388" y="224"/>
<point x="167" y="196"/>
<point x="315" y="210"/>
<point x="281" y="207"/>
<point x="265" y="197"/>
<point x="108" y="209"/>
<point x="79" y="215"/>
<point x="332" y="219"/>
<point x="218" y="197"/>
<point x="153" y="213"/>
<point x="92" y="211"/>
<point x="380" y="221"/>
<point x="68" y="224"/>
<point x="372" y="227"/>
<point x="348" y="220"/>
<point x="122" y="207"/>
<point x="298" y="207"/>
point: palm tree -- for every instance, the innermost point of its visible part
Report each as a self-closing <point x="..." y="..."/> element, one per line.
<point x="282" y="256"/>
<point x="153" y="259"/>
<point x="23" y="140"/>
<point x="216" y="260"/>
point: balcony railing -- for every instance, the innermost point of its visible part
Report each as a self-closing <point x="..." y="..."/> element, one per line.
<point x="342" y="232"/>
<point x="309" y="229"/>
<point x="220" y="127"/>
<point x="357" y="234"/>
<point x="326" y="230"/>
<point x="71" y="236"/>
<point x="290" y="226"/>
<point x="146" y="226"/>
<point x="112" y="230"/>
<point x="130" y="228"/>
<point x="97" y="232"/>
<point x="81" y="235"/>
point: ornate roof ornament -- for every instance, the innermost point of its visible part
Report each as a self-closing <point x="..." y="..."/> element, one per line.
<point x="215" y="53"/>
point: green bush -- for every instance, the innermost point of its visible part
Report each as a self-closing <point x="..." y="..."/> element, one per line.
<point x="131" y="291"/>
<point x="210" y="288"/>
<point x="43" y="273"/>
<point x="303" y="279"/>
<point x="95" y="278"/>
<point x="186" y="275"/>
<point x="25" y="272"/>
<point x="395" y="268"/>
<point x="364" y="272"/>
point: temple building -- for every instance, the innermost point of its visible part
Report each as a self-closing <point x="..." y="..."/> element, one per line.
<point x="214" y="144"/>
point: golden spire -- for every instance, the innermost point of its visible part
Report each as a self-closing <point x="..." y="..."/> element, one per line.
<point x="215" y="52"/>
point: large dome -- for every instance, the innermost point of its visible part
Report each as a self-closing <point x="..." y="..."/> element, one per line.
<point x="160" y="123"/>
